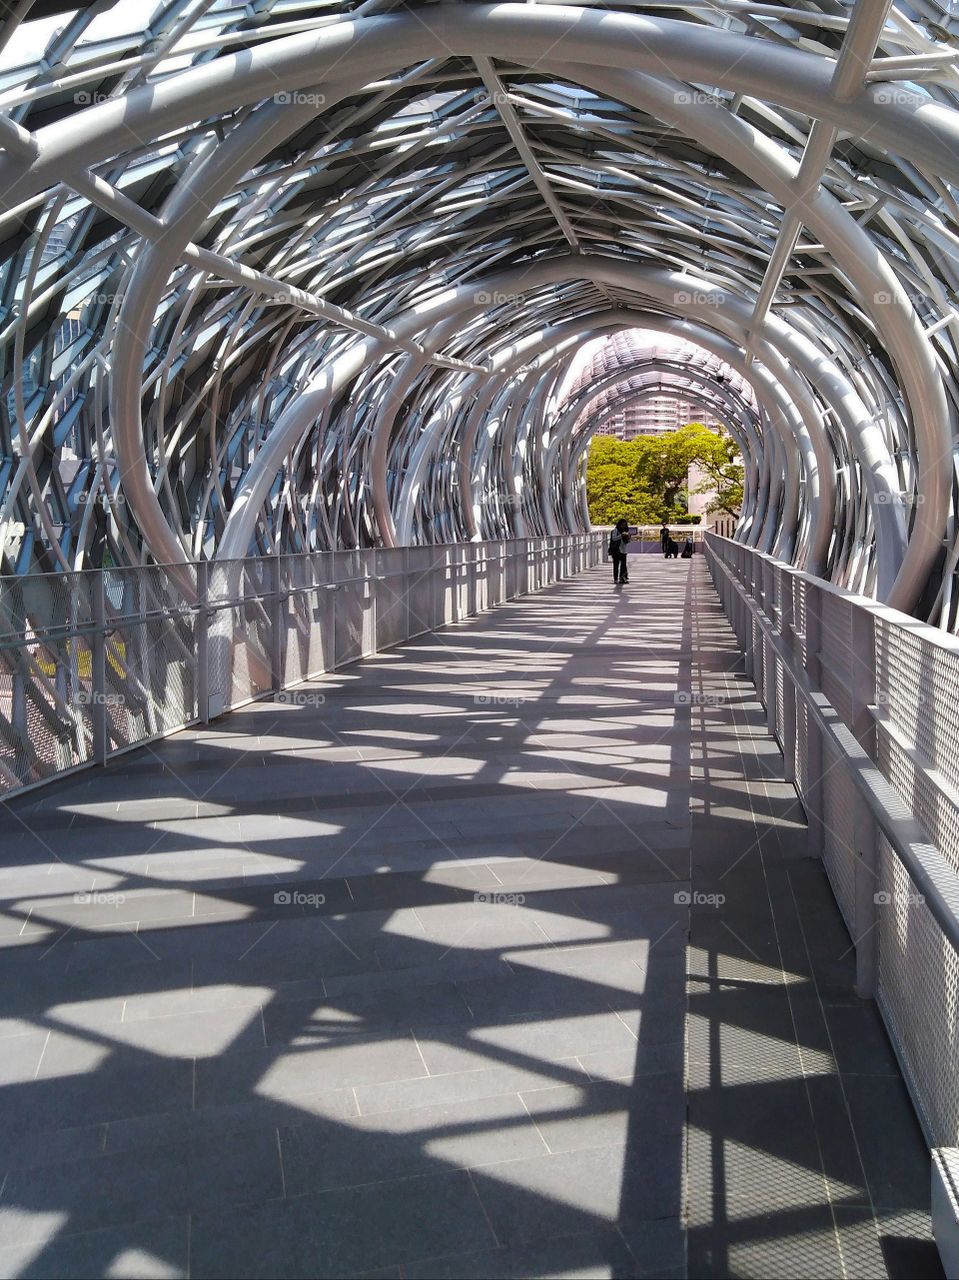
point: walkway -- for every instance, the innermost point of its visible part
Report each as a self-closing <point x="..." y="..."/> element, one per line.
<point x="390" y="979"/>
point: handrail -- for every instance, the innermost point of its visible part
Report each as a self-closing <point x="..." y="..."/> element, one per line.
<point x="925" y="864"/>
<point x="843" y="679"/>
<point x="86" y="657"/>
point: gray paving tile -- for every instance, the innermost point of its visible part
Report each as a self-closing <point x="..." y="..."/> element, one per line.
<point x="330" y="1062"/>
<point x="597" y="816"/>
<point x="53" y="1146"/>
<point x="21" y="1056"/>
<point x="113" y="1091"/>
<point x="658" y="1246"/>
<point x="466" y="966"/>
<point x="343" y="1232"/>
<point x="602" y="1255"/>
<point x="370" y="1013"/>
<point x="400" y="1144"/>
<point x="335" y="1106"/>
<point x="155" y="1250"/>
<point x="272" y="1241"/>
<point x="581" y="1190"/>
<point x="889" y="1140"/>
<point x="124" y="1187"/>
<point x="889" y="1242"/>
<point x="606" y="1114"/>
<point x="183" y="1036"/>
<point x="627" y="1064"/>
<point x="522" y="992"/>
<point x="541" y="1039"/>
<point x="480" y="1082"/>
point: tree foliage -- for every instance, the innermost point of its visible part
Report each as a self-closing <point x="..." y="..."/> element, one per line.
<point x="613" y="487"/>
<point x="645" y="480"/>
<point x="719" y="460"/>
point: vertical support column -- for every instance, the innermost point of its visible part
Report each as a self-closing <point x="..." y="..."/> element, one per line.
<point x="277" y="624"/>
<point x="747" y="636"/>
<point x="787" y="627"/>
<point x="771" y="672"/>
<point x="202" y="642"/>
<point x="814" y="799"/>
<point x="99" y="669"/>
<point x="862" y="634"/>
<point x="374" y="587"/>
<point x="756" y="655"/>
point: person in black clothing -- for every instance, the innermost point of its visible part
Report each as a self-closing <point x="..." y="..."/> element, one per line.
<point x="617" y="550"/>
<point x="664" y="539"/>
<point x="687" y="552"/>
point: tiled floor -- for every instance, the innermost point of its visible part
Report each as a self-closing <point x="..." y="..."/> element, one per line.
<point x="392" y="980"/>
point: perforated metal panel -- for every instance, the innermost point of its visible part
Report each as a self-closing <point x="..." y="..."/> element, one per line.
<point x="125" y="655"/>
<point x="836" y="654"/>
<point x="916" y="748"/>
<point x="919" y="996"/>
<point x="839" y="799"/>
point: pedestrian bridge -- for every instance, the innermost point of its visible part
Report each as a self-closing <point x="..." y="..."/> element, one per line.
<point x="473" y="925"/>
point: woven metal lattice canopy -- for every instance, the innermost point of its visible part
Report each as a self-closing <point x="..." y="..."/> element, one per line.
<point x="305" y="275"/>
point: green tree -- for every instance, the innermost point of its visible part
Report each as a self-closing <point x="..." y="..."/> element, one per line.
<point x="719" y="460"/>
<point x="613" y="487"/>
<point x="645" y="479"/>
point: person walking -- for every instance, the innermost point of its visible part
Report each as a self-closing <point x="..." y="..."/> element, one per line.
<point x="664" y="539"/>
<point x="618" y="541"/>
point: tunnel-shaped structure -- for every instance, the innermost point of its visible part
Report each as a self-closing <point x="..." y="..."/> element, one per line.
<point x="308" y="277"/>
<point x="295" y="303"/>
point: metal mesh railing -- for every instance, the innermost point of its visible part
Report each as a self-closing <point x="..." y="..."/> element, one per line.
<point x="94" y="663"/>
<point x="872" y="696"/>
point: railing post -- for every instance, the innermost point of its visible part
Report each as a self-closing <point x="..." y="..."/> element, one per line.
<point x="373" y="586"/>
<point x="202" y="642"/>
<point x="98" y="672"/>
<point x="814" y="799"/>
<point x="867" y="887"/>
<point x="754" y="585"/>
<point x="277" y="623"/>
<point x="787" y="626"/>
<point x="771" y="673"/>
